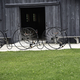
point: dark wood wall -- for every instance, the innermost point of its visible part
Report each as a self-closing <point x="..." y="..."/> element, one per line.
<point x="70" y="18"/>
<point x="12" y="20"/>
<point x="0" y="14"/>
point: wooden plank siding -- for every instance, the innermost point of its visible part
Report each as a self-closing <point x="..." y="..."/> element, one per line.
<point x="52" y="19"/>
<point x="64" y="13"/>
<point x="77" y="24"/>
<point x="68" y="17"/>
<point x="3" y="16"/>
<point x="0" y="15"/>
<point x="71" y="16"/>
<point x="0" y="10"/>
<point x="12" y="20"/>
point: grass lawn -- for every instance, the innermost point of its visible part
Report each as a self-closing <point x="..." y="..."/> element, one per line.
<point x="40" y="65"/>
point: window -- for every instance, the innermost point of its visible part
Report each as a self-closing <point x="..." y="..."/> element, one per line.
<point x="27" y="18"/>
<point x="34" y="17"/>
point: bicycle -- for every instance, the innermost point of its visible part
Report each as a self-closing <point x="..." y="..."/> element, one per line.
<point x="32" y="37"/>
<point x="4" y="40"/>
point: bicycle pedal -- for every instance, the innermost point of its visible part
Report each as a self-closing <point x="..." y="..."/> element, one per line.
<point x="31" y="46"/>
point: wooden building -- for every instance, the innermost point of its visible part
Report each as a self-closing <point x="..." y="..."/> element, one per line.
<point x="40" y="14"/>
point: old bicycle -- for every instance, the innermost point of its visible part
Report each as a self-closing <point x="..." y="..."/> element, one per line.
<point x="4" y="39"/>
<point x="55" y="37"/>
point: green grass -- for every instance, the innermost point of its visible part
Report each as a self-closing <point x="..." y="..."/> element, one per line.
<point x="40" y="65"/>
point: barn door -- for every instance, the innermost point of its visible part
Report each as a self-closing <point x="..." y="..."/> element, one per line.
<point x="12" y="21"/>
<point x="52" y="17"/>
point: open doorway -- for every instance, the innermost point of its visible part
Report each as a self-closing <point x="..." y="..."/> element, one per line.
<point x="34" y="18"/>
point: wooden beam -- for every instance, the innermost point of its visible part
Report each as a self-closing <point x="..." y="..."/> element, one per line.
<point x="55" y="3"/>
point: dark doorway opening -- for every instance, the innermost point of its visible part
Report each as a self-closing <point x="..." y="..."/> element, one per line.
<point x="34" y="18"/>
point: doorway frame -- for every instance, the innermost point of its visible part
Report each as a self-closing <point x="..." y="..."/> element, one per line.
<point x="43" y="7"/>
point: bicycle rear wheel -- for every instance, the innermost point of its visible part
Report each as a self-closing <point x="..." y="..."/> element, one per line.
<point x="25" y="38"/>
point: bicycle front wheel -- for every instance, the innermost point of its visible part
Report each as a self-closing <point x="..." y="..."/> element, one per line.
<point x="56" y="38"/>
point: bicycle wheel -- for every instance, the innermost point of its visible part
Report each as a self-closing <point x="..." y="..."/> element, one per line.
<point x="25" y="38"/>
<point x="2" y="39"/>
<point x="19" y="42"/>
<point x="54" y="38"/>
